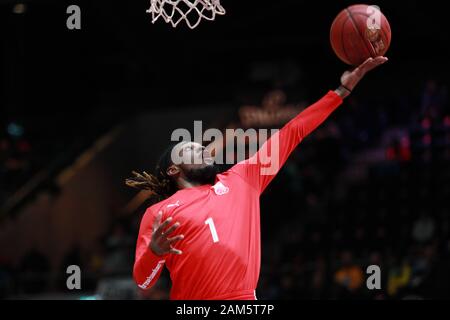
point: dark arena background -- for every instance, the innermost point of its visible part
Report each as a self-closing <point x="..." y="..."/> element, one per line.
<point x="81" y="109"/>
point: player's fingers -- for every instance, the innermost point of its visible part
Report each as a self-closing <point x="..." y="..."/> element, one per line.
<point x="381" y="59"/>
<point x="175" y="251"/>
<point x="157" y="221"/>
<point x="377" y="62"/>
<point x="372" y="63"/>
<point x="366" y="63"/>
<point x="164" y="225"/>
<point x="364" y="67"/>
<point x="171" y="229"/>
<point x="175" y="239"/>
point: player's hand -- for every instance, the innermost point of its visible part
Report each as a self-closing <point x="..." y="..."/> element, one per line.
<point x="350" y="79"/>
<point x="161" y="243"/>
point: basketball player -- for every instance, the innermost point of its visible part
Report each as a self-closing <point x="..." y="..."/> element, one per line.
<point x="206" y="228"/>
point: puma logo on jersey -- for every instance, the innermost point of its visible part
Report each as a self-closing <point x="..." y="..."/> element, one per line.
<point x="176" y="204"/>
<point x="220" y="189"/>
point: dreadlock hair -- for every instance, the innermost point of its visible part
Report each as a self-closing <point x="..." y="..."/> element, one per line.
<point x="160" y="183"/>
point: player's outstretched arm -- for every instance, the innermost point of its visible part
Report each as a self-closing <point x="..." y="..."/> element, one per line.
<point x="262" y="167"/>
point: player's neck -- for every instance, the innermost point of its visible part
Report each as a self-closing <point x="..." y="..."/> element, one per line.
<point x="185" y="184"/>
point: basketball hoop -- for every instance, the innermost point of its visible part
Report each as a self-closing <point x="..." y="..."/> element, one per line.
<point x="191" y="11"/>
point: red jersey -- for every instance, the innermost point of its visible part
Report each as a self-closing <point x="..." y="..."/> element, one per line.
<point x="221" y="224"/>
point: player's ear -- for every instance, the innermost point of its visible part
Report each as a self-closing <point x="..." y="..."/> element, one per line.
<point x="173" y="171"/>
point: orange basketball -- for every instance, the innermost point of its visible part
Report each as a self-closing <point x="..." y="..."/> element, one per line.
<point x="360" y="32"/>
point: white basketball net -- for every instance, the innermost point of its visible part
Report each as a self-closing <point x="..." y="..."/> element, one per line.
<point x="191" y="11"/>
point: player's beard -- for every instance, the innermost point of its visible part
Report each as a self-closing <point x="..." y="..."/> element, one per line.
<point x="204" y="175"/>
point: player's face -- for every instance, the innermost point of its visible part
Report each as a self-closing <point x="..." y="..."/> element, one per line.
<point x="196" y="162"/>
<point x="192" y="155"/>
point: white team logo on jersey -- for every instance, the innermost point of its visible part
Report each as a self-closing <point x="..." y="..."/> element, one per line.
<point x="220" y="189"/>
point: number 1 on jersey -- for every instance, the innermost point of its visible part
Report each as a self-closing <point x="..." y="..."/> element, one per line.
<point x="210" y="222"/>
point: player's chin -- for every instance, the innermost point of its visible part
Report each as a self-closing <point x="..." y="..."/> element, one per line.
<point x="203" y="165"/>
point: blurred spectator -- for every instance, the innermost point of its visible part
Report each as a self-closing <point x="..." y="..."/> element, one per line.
<point x="349" y="275"/>
<point x="434" y="98"/>
<point x="119" y="254"/>
<point x="399" y="277"/>
<point x="423" y="229"/>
